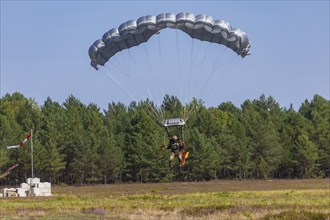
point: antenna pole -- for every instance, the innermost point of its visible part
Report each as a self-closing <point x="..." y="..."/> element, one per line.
<point x="32" y="155"/>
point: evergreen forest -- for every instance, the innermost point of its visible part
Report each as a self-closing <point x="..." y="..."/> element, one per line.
<point x="75" y="143"/>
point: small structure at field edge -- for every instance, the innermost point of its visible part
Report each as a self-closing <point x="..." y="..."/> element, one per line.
<point x="32" y="187"/>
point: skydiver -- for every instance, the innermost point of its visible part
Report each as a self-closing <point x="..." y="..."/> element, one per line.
<point x="177" y="148"/>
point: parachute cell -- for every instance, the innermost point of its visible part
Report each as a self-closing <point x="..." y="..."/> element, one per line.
<point x="134" y="32"/>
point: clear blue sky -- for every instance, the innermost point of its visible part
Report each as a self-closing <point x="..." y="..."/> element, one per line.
<point x="44" y="49"/>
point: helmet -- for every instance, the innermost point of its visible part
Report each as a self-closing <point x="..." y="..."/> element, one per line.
<point x="174" y="138"/>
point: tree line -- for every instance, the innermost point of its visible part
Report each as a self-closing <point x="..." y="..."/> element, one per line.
<point x="75" y="143"/>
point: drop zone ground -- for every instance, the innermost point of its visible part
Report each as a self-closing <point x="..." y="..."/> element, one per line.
<point x="248" y="199"/>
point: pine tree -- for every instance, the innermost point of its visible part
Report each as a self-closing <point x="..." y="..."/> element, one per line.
<point x="142" y="148"/>
<point x="318" y="112"/>
<point x="50" y="161"/>
<point x="263" y="140"/>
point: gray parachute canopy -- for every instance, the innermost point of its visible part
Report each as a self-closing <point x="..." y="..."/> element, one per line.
<point x="133" y="33"/>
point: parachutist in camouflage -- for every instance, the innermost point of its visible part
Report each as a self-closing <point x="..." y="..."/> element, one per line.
<point x="177" y="148"/>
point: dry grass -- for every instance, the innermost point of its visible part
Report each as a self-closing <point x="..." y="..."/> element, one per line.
<point x="291" y="199"/>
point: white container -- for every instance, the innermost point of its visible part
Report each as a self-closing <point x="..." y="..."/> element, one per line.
<point x="21" y="192"/>
<point x="25" y="186"/>
<point x="34" y="192"/>
<point x="9" y="192"/>
<point x="32" y="181"/>
<point x="47" y="185"/>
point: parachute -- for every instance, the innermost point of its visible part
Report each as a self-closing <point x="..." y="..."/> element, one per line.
<point x="116" y="42"/>
<point x="134" y="32"/>
<point x="201" y="68"/>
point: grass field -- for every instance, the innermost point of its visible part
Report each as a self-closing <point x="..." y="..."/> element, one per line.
<point x="276" y="199"/>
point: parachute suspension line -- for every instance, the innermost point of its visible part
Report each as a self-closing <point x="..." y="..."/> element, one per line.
<point x="179" y="63"/>
<point x="115" y="69"/>
<point x="191" y="51"/>
<point x="112" y="78"/>
<point x="225" y="72"/>
<point x="212" y="71"/>
<point x="221" y="57"/>
<point x="189" y="76"/>
<point x="121" y="68"/>
<point x="127" y="63"/>
<point x="153" y="110"/>
<point x="151" y="72"/>
<point x="191" y="73"/>
<point x="192" y="61"/>
<point x="218" y="59"/>
<point x="159" y="115"/>
<point x="206" y="49"/>
<point x="162" y="71"/>
<point x="198" y="80"/>
<point x="190" y="112"/>
<point x="155" y="114"/>
<point x="130" y="54"/>
<point x="190" y="108"/>
<point x="228" y="66"/>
